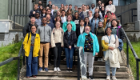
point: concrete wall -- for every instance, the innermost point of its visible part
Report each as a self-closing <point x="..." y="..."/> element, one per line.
<point x="11" y="37"/>
<point x="126" y="17"/>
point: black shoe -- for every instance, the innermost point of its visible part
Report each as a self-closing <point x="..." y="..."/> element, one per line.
<point x="90" y="77"/>
<point x="71" y="70"/>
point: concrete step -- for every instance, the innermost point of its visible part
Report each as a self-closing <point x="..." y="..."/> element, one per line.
<point x="96" y="68"/>
<point x="62" y="78"/>
<point x="96" y="74"/>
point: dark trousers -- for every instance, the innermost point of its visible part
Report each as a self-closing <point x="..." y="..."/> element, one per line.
<point x="32" y="64"/>
<point x="57" y="54"/>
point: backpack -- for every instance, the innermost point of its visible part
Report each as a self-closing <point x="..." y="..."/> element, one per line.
<point x="28" y="37"/>
<point x="117" y="29"/>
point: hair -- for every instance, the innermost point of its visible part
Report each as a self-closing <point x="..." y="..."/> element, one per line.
<point x="59" y="17"/>
<point x="88" y="26"/>
<point x="82" y="20"/>
<point x="95" y="14"/>
<point x="109" y="12"/>
<point x="100" y="21"/>
<point x="70" y="16"/>
<point x="106" y="30"/>
<point x="70" y="4"/>
<point x="88" y="6"/>
<point x="43" y="18"/>
<point x="116" y="21"/>
<point x="62" y="11"/>
<point x="85" y="18"/>
<point x="59" y="22"/>
<point x="35" y="4"/>
<point x="69" y="24"/>
<point x="32" y="26"/>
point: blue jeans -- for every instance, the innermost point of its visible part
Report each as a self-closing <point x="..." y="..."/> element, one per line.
<point x="107" y="66"/>
<point x="69" y="56"/>
<point x="32" y="64"/>
<point x="120" y="45"/>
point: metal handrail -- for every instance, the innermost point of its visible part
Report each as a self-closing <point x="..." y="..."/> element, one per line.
<point x="14" y="58"/>
<point x="128" y="44"/>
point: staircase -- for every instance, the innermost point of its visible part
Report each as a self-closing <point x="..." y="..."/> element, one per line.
<point x="99" y="72"/>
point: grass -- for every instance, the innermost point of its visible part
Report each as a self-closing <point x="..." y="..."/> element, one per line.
<point x="132" y="61"/>
<point x="9" y="70"/>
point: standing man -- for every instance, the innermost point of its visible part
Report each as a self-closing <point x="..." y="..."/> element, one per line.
<point x="80" y="13"/>
<point x="50" y="4"/>
<point x="45" y="38"/>
<point x="110" y="7"/>
<point x="92" y="8"/>
<point x="33" y="12"/>
<point x="49" y="23"/>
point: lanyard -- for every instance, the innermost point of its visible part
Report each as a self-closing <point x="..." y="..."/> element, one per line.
<point x="109" y="39"/>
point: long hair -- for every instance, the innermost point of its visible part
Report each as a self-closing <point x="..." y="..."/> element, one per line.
<point x="95" y="14"/>
<point x="116" y="21"/>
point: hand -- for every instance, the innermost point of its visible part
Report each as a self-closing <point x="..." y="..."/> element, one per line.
<point x="33" y="12"/>
<point x="70" y="47"/>
<point x="111" y="48"/>
<point x="96" y="54"/>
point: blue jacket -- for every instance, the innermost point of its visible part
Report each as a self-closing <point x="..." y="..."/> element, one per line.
<point x="92" y="23"/>
<point x="81" y="42"/>
<point x="64" y="27"/>
<point x="81" y="15"/>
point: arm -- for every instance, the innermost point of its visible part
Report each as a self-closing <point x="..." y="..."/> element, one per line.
<point x="65" y="40"/>
<point x="52" y="39"/>
<point x="74" y="27"/>
<point x="25" y="30"/>
<point x="117" y="42"/>
<point x="97" y="44"/>
<point x="104" y="45"/>
<point x="114" y="9"/>
<point x="31" y="13"/>
<point x="39" y="42"/>
<point x="62" y="42"/>
<point x="25" y="41"/>
<point x="74" y="39"/>
<point x="64" y="27"/>
<point x="78" y="41"/>
<point x="121" y="34"/>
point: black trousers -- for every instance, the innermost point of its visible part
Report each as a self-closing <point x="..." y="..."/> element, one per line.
<point x="57" y="54"/>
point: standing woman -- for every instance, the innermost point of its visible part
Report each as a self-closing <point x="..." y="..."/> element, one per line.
<point x="94" y="22"/>
<point x="100" y="32"/>
<point x="69" y="20"/>
<point x="57" y="43"/>
<point x="31" y="46"/>
<point x="87" y="22"/>
<point x="69" y="40"/>
<point x="76" y="19"/>
<point x="110" y="43"/>
<point x="90" y="45"/>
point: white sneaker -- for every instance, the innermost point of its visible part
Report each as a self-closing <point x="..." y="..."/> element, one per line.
<point x="55" y="69"/>
<point x="114" y="78"/>
<point x="108" y="78"/>
<point x="58" y="69"/>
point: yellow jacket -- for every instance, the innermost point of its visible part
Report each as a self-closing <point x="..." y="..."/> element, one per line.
<point x="27" y="45"/>
<point x="104" y="24"/>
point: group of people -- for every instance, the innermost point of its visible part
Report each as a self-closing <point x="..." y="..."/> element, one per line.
<point x="53" y="29"/>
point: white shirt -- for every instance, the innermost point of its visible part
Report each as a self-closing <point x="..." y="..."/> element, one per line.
<point x="81" y="29"/>
<point x="63" y="19"/>
<point x="90" y="18"/>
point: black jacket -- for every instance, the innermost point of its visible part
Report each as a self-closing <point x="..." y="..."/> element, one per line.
<point x="78" y="31"/>
<point x="27" y="28"/>
<point x="33" y="15"/>
<point x="72" y="39"/>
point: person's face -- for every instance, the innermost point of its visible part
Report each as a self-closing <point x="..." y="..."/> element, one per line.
<point x="35" y="7"/>
<point x="44" y="20"/>
<point x="63" y="13"/>
<point x="92" y="5"/>
<point x="69" y="18"/>
<point x="48" y="17"/>
<point x="32" y="20"/>
<point x="37" y="15"/>
<point x="103" y="8"/>
<point x="76" y="8"/>
<point x="76" y="14"/>
<point x="86" y="20"/>
<point x="69" y="27"/>
<point x="40" y="3"/>
<point x="84" y="8"/>
<point x="70" y="6"/>
<point x="67" y="6"/>
<point x="49" y="11"/>
<point x="113" y="17"/>
<point x="87" y="30"/>
<point x="114" y="23"/>
<point x="79" y="10"/>
<point x="100" y="24"/>
<point x="47" y="8"/>
<point x="69" y="12"/>
<point x="58" y="13"/>
<point x="62" y="5"/>
<point x="58" y="19"/>
<point x="97" y="15"/>
<point x="96" y="10"/>
<point x="44" y="11"/>
<point x="108" y="31"/>
<point x="102" y="5"/>
<point x="108" y="14"/>
<point x="87" y="7"/>
<point x="82" y="23"/>
<point x="57" y="24"/>
<point x="90" y="13"/>
<point x="33" y="29"/>
<point x="110" y="2"/>
<point x="53" y="6"/>
<point x="99" y="2"/>
<point x="50" y="2"/>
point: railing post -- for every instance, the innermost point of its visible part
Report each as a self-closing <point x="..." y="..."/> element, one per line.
<point x="18" y="75"/>
<point x="78" y="66"/>
<point x="137" y="68"/>
<point x="14" y="22"/>
<point x="127" y="51"/>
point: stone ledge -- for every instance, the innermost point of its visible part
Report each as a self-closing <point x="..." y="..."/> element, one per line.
<point x="16" y="30"/>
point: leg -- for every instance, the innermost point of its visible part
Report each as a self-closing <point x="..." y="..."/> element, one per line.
<point x="55" y="50"/>
<point x="85" y="57"/>
<point x="113" y="71"/>
<point x="67" y="57"/>
<point x="107" y="66"/>
<point x="90" y="58"/>
<point x="28" y="63"/>
<point x="41" y="56"/>
<point x="35" y="66"/>
<point x="46" y="52"/>
<point x="59" y="54"/>
<point x="71" y="57"/>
